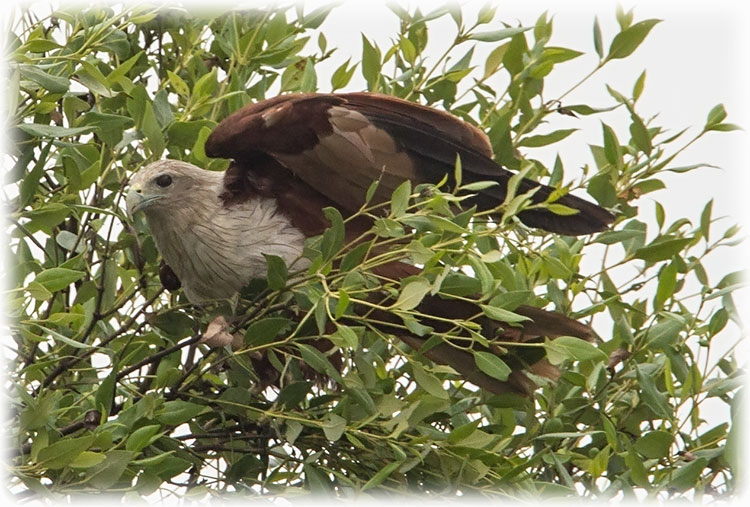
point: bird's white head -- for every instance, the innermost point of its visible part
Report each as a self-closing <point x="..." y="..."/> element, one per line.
<point x="164" y="184"/>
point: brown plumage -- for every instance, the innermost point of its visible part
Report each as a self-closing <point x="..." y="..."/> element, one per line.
<point x="339" y="143"/>
<point x="294" y="155"/>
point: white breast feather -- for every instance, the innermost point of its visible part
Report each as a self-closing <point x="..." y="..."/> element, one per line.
<point x="215" y="251"/>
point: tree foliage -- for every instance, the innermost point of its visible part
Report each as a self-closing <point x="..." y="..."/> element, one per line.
<point x="112" y="391"/>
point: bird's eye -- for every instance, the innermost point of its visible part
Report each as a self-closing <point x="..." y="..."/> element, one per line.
<point x="163" y="180"/>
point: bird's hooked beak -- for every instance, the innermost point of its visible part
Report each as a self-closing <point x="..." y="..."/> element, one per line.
<point x="136" y="200"/>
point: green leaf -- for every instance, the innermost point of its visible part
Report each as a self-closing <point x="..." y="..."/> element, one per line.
<point x="109" y="126"/>
<point x="179" y="85"/>
<point x="56" y="279"/>
<point x="599" y="462"/>
<point x="408" y="50"/>
<point x="87" y="459"/>
<point x="640" y="134"/>
<point x="494" y="60"/>
<point x="637" y="471"/>
<point x="715" y="116"/>
<point x="117" y="76"/>
<point x="142" y="437"/>
<point x="457" y="171"/>
<point x="316" y="479"/>
<point x="106" y="392"/>
<point x="724" y="127"/>
<point x="315" y="18"/>
<point x="598" y="44"/>
<point x="370" y="63"/>
<point x="492" y="365"/>
<point x="588" y="110"/>
<point x="186" y="134"/>
<point x="462" y="432"/>
<point x="109" y="471"/>
<point x="198" y="153"/>
<point x="412" y="294"/>
<point x="686" y="476"/>
<point x="176" y="323"/>
<point x="497" y="35"/>
<point x="381" y="475"/>
<point x="545" y="139"/>
<point x="39" y="46"/>
<point x="559" y="54"/>
<point x="63" y="452"/>
<point x="646" y="186"/>
<point x="347" y="336"/>
<point x="655" y="444"/>
<point x="666" y="331"/>
<point x="293" y="394"/>
<point x="177" y="412"/>
<point x="503" y="315"/>
<point x="265" y="330"/>
<point x="38" y="291"/>
<point x="486" y="280"/>
<point x="355" y="257"/>
<point x="153" y="132"/>
<point x="638" y="86"/>
<point x="318" y="361"/>
<point x="309" y="82"/>
<point x="276" y="272"/>
<point x="667" y="284"/>
<point x="400" y="199"/>
<point x="630" y="38"/>
<point x="51" y="83"/>
<point x="569" y="347"/>
<point x="651" y="396"/>
<point x="62" y="339"/>
<point x="46" y="217"/>
<point x="612" y="149"/>
<point x="427" y="381"/>
<point x="333" y="426"/>
<point x="561" y="209"/>
<point x="30" y="183"/>
<point x="342" y="75"/>
<point x="39" y="130"/>
<point x="342" y="304"/>
<point x="92" y="78"/>
<point x="610" y="432"/>
<point x="333" y="237"/>
<point x="718" y="321"/>
<point x="205" y="86"/>
<point x="662" y="249"/>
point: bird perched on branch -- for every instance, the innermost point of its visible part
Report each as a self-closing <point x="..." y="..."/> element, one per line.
<point x="294" y="155"/>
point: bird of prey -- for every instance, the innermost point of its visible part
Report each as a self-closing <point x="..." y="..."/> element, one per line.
<point x="294" y="155"/>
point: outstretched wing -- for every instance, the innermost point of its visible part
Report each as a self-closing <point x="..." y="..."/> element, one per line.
<point x="338" y="144"/>
<point x="309" y="151"/>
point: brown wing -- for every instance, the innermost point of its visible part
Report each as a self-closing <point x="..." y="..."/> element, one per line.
<point x="309" y="151"/>
<point x="338" y="144"/>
